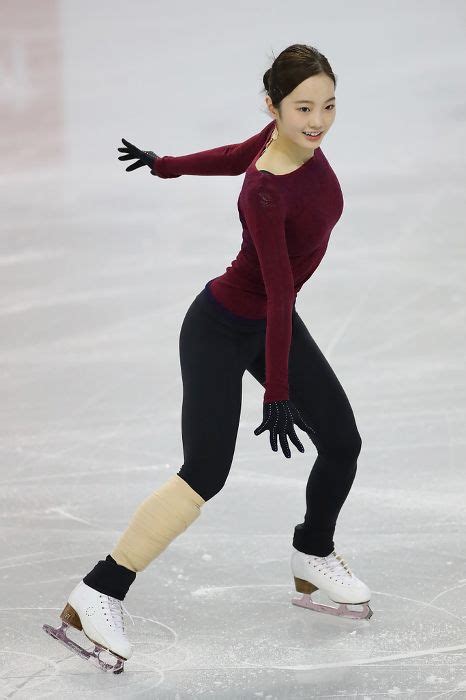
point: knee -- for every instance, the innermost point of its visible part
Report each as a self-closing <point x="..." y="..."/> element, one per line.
<point x="212" y="490"/>
<point x="345" y="446"/>
<point x="356" y="443"/>
<point x="207" y="489"/>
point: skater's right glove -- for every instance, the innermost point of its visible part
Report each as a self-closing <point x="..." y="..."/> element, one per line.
<point x="278" y="418"/>
<point x="148" y="158"/>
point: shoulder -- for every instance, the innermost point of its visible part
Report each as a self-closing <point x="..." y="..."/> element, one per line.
<point x="260" y="191"/>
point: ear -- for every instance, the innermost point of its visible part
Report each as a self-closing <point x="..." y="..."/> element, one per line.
<point x="270" y="107"/>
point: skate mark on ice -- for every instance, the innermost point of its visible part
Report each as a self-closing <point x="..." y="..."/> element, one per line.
<point x="214" y="590"/>
<point x="40" y="556"/>
<point x="23" y="682"/>
<point x="424" y="604"/>
<point x="61" y="511"/>
<point x="371" y="660"/>
<point x="64" y="299"/>
<point x="78" y="472"/>
<point x="459" y="688"/>
<point x="84" y="555"/>
<point x="207" y="590"/>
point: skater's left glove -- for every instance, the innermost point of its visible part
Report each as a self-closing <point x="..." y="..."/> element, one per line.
<point x="143" y="157"/>
<point x="279" y="417"/>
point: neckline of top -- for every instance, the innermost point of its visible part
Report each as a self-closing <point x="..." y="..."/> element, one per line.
<point x="292" y="172"/>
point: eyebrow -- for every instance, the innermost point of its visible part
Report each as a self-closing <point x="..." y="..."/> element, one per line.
<point x="311" y="102"/>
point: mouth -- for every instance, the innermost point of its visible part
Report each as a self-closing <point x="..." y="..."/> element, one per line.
<point x="313" y="138"/>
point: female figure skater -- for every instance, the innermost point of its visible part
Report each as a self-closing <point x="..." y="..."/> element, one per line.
<point x="243" y="320"/>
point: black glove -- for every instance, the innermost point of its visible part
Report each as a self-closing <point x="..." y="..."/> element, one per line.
<point x="279" y="417"/>
<point x="144" y="157"/>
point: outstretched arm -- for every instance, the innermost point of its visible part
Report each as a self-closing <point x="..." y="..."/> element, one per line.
<point x="232" y="159"/>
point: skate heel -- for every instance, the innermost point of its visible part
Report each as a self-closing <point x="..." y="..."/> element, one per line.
<point x="303" y="586"/>
<point x="71" y="617"/>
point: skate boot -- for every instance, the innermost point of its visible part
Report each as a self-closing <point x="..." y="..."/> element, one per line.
<point x="100" y="617"/>
<point x="332" y="575"/>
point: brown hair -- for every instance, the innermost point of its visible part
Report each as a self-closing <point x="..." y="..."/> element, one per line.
<point x="293" y="65"/>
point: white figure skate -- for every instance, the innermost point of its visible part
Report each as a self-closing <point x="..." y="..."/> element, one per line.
<point x="100" y="617"/>
<point x="332" y="575"/>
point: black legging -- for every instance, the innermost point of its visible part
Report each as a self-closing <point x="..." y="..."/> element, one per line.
<point x="215" y="350"/>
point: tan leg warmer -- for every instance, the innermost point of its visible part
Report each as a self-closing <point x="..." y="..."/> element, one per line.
<point x="164" y="515"/>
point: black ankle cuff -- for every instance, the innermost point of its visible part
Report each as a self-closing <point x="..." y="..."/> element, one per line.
<point x="315" y="544"/>
<point x="110" y="578"/>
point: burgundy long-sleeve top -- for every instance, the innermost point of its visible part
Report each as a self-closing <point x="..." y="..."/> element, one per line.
<point x="287" y="220"/>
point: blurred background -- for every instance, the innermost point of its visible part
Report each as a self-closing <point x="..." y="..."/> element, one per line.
<point x="97" y="270"/>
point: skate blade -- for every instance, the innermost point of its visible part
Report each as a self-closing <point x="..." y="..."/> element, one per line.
<point x="342" y="611"/>
<point x="92" y="656"/>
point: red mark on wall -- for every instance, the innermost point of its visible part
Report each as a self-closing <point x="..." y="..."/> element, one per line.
<point x="31" y="90"/>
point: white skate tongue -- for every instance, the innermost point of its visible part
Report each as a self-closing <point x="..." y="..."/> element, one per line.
<point x="116" y="608"/>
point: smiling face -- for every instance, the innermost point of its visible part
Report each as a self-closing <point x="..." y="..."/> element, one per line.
<point x="309" y="107"/>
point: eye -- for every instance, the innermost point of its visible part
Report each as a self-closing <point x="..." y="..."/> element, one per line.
<point x="333" y="106"/>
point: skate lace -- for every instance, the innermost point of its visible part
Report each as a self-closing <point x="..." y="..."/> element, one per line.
<point x="116" y="608"/>
<point x="334" y="563"/>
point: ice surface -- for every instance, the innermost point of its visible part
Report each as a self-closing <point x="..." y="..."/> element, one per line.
<point x="97" y="269"/>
